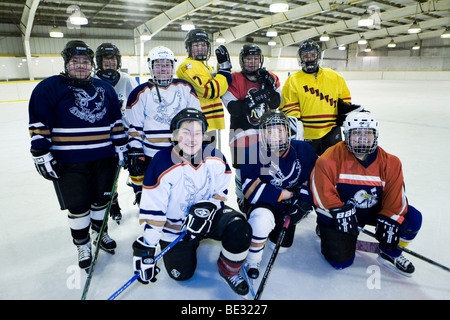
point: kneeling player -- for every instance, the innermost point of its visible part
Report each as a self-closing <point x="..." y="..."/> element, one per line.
<point x="186" y="185"/>
<point x="275" y="183"/>
<point x="355" y="183"/>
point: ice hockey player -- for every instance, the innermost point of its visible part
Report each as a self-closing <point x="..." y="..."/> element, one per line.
<point x="252" y="92"/>
<point x="275" y="184"/>
<point x="208" y="85"/>
<point x="316" y="96"/>
<point x="109" y="61"/>
<point x="76" y="134"/>
<point x="185" y="186"/>
<point x="357" y="183"/>
<point x="151" y="107"/>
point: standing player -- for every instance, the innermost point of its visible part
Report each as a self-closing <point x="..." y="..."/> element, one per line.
<point x="109" y="61"/>
<point x="355" y="183"/>
<point x="209" y="86"/>
<point x="312" y="94"/>
<point x="76" y="131"/>
<point x="186" y="185"/>
<point x="151" y="107"/>
<point x="252" y="92"/>
<point x="275" y="183"/>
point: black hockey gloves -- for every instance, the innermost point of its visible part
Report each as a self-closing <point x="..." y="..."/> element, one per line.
<point x="199" y="221"/>
<point x="223" y="58"/>
<point x="144" y="261"/>
<point x="46" y="165"/>
<point x="387" y="232"/>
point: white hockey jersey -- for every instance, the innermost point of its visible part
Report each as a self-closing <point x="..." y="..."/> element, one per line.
<point x="150" y="110"/>
<point x="172" y="184"/>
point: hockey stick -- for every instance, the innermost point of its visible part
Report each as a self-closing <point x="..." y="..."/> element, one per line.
<point x="100" y="234"/>
<point x="248" y="281"/>
<point x="286" y="222"/>
<point x="159" y="256"/>
<point x="415" y="254"/>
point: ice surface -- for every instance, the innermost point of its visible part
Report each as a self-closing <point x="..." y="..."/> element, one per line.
<point x="39" y="261"/>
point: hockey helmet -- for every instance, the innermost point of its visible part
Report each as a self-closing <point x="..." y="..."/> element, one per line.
<point x="309" y="56"/>
<point x="188" y="114"/>
<point x="274" y="131"/>
<point x="154" y="58"/>
<point x="76" y="48"/>
<point x="107" y="49"/>
<point x="248" y="50"/>
<point x="361" y="132"/>
<point x="197" y="35"/>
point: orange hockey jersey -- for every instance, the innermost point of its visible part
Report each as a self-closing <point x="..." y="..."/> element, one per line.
<point x="375" y="186"/>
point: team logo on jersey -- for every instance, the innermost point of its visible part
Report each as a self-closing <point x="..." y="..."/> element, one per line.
<point x="255" y="113"/>
<point x="364" y="200"/>
<point x="165" y="110"/>
<point x="84" y="102"/>
<point x="280" y="180"/>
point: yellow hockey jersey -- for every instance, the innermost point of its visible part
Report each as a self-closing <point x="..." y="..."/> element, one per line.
<point x="209" y="89"/>
<point x="313" y="100"/>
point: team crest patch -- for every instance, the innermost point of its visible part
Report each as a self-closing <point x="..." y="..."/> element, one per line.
<point x="188" y="66"/>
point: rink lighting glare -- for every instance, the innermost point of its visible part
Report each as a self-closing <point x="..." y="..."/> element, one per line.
<point x="271" y="32"/>
<point x="78" y="18"/>
<point x="279" y="6"/>
<point x="324" y="37"/>
<point x="415" y="28"/>
<point x="187" y="25"/>
<point x="56" y="33"/>
<point x="365" y="21"/>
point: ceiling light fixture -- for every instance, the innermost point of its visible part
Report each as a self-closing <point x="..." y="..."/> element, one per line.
<point x="392" y="44"/>
<point x="416" y="46"/>
<point x="365" y="20"/>
<point x="278" y="6"/>
<point x="56" y="33"/>
<point x="362" y="41"/>
<point x="324" y="37"/>
<point x="187" y="25"/>
<point x="341" y="48"/>
<point x="78" y="18"/>
<point x="415" y="28"/>
<point x="220" y="39"/>
<point x="446" y="33"/>
<point x="272" y="43"/>
<point x="271" y="32"/>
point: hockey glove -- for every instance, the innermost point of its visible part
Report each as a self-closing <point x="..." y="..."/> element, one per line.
<point x="264" y="77"/>
<point x="122" y="153"/>
<point x="345" y="219"/>
<point x="223" y="58"/>
<point x="46" y="165"/>
<point x="199" y="220"/>
<point x="344" y="109"/>
<point x="387" y="232"/>
<point x="136" y="165"/>
<point x="298" y="211"/>
<point x="144" y="261"/>
<point x="255" y="98"/>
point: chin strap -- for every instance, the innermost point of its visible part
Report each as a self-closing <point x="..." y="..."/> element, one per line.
<point x="109" y="75"/>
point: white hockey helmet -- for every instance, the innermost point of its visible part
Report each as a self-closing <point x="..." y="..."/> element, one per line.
<point x="155" y="61"/>
<point x="361" y="124"/>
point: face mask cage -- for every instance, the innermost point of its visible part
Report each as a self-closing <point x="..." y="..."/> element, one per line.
<point x="361" y="140"/>
<point x="158" y="70"/>
<point x="274" y="133"/>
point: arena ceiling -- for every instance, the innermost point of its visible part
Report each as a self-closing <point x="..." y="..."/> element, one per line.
<point x="242" y="19"/>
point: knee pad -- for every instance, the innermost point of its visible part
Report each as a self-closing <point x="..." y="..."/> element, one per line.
<point x="181" y="260"/>
<point x="338" y="248"/>
<point x="262" y="222"/>
<point x="237" y="236"/>
<point x="411" y="225"/>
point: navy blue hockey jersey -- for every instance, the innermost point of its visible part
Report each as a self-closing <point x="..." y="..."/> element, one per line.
<point x="76" y="124"/>
<point x="265" y="175"/>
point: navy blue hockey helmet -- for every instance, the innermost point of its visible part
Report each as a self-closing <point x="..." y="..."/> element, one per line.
<point x="309" y="56"/>
<point x="275" y="120"/>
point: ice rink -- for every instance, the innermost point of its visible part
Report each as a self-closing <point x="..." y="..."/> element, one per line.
<point x="39" y="260"/>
